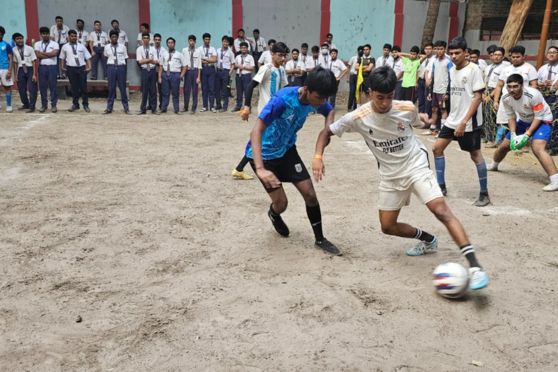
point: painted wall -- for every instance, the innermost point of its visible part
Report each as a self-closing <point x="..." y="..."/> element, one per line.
<point x="277" y="20"/>
<point x="179" y="18"/>
<point x="361" y="22"/>
<point x="12" y="17"/>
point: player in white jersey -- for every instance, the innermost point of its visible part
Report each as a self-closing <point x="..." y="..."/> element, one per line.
<point x="387" y="128"/>
<point x="548" y="73"/>
<point x="491" y="76"/>
<point x="464" y="121"/>
<point x="529" y="117"/>
<point x="269" y="80"/>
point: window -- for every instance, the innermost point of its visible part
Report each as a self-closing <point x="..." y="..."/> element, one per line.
<point x="492" y="27"/>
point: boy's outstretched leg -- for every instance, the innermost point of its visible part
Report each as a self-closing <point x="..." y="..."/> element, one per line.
<point x="428" y="243"/>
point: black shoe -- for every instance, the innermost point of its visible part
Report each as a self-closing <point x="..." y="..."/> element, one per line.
<point x="185" y="109"/>
<point x="163" y="111"/>
<point x="107" y="111"/>
<point x="278" y="223"/>
<point x="155" y="112"/>
<point x="42" y="109"/>
<point x="141" y="113"/>
<point x="235" y="109"/>
<point x="176" y="112"/>
<point x="86" y="108"/>
<point x="54" y="110"/>
<point x="21" y="108"/>
<point x="327" y="246"/>
<point x="444" y="190"/>
<point x="126" y="112"/>
<point x="30" y="110"/>
<point x="483" y="200"/>
<point x="73" y="108"/>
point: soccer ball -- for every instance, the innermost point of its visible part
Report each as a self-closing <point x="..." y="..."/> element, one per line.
<point x="451" y="280"/>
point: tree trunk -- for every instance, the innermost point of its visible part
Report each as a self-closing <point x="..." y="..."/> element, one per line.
<point x="430" y="22"/>
<point x="514" y="25"/>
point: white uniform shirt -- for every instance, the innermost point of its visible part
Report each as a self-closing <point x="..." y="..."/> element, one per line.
<point x="28" y="56"/>
<point x="225" y="58"/>
<point x="59" y="35"/>
<point x="207" y="52"/>
<point x="529" y="107"/>
<point x="303" y="58"/>
<point x="98" y="38"/>
<point x="192" y="58"/>
<point x="324" y="60"/>
<point x="402" y="158"/>
<point x="352" y="62"/>
<point x="146" y="53"/>
<point x="271" y="79"/>
<point x="47" y="47"/>
<point x="425" y="66"/>
<point x="116" y="54"/>
<point x="548" y="72"/>
<point x="82" y="36"/>
<point x="312" y="63"/>
<point x="265" y="58"/>
<point x="384" y="61"/>
<point x="159" y="52"/>
<point x="398" y="67"/>
<point x="172" y="61"/>
<point x="75" y="55"/>
<point x="140" y="39"/>
<point x="122" y="37"/>
<point x="337" y="67"/>
<point x="258" y="45"/>
<point x="244" y="60"/>
<point x="292" y="64"/>
<point x="463" y="84"/>
<point x="492" y="73"/>
<point x="237" y="42"/>
<point x="439" y="70"/>
<point x="526" y="70"/>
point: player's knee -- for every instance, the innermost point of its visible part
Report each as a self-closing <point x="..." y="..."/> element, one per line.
<point x="443" y="213"/>
<point x="388" y="229"/>
<point x="436" y="150"/>
<point x="310" y="199"/>
<point x="280" y="206"/>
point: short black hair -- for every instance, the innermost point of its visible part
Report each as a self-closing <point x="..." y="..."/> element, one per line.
<point x="387" y="46"/>
<point x="552" y="47"/>
<point x="80" y="20"/>
<point x="113" y="32"/>
<point x="3" y="30"/>
<point x="170" y="38"/>
<point x="114" y="20"/>
<point x="192" y="37"/>
<point x="279" y="47"/>
<point x="515" y="78"/>
<point x="42" y="30"/>
<point x="207" y="34"/>
<point x="157" y="35"/>
<point x="518" y="49"/>
<point x="360" y="48"/>
<point x="16" y="35"/>
<point x="334" y="50"/>
<point x="305" y="45"/>
<point x="500" y="49"/>
<point x="72" y="32"/>
<point x="329" y="34"/>
<point x="243" y="44"/>
<point x="145" y="34"/>
<point x="428" y="44"/>
<point x="382" y="80"/>
<point x="315" y="48"/>
<point x="295" y="50"/>
<point x="415" y="49"/>
<point x="321" y="81"/>
<point x="58" y="17"/>
<point x="271" y="41"/>
<point x="96" y="21"/>
<point x="396" y="48"/>
<point x="225" y="37"/>
<point x="324" y="45"/>
<point x="256" y="30"/>
<point x="442" y="43"/>
<point x="491" y="48"/>
<point x="475" y="51"/>
<point x="146" y="25"/>
<point x="240" y="29"/>
<point x="367" y="46"/>
<point x="458" y="43"/>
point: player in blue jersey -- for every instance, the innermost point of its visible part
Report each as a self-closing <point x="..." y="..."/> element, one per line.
<point x="272" y="150"/>
<point x="6" y="61"/>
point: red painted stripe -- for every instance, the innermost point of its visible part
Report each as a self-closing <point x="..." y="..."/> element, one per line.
<point x="144" y="12"/>
<point x="325" y="23"/>
<point x="32" y="20"/>
<point x="236" y="16"/>
<point x="398" y="27"/>
<point x="454" y="20"/>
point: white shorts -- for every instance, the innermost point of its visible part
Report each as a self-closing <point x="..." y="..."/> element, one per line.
<point x="4" y="80"/>
<point x="501" y="117"/>
<point x="425" y="188"/>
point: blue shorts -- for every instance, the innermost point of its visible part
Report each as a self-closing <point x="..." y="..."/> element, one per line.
<point x="543" y="132"/>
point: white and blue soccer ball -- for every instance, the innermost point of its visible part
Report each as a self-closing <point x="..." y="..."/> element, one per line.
<point x="451" y="280"/>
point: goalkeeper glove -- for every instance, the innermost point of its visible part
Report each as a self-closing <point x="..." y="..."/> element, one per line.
<point x="512" y="141"/>
<point x="521" y="141"/>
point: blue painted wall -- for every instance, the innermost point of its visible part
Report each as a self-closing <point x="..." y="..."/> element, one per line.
<point x="361" y="22"/>
<point x="12" y="17"/>
<point x="179" y="18"/>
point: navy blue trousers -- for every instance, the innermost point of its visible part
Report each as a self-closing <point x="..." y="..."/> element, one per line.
<point x="242" y="83"/>
<point x="116" y="76"/>
<point x="26" y="84"/>
<point x="148" y="89"/>
<point x="78" y="85"/>
<point x="96" y="60"/>
<point x="170" y="85"/>
<point x="47" y="81"/>
<point x="191" y="88"/>
<point x="208" y="86"/>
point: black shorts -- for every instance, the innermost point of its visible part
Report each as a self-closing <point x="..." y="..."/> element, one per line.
<point x="470" y="141"/>
<point x="288" y="168"/>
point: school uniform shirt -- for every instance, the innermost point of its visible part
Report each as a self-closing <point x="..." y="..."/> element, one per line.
<point x="332" y="46"/>
<point x="140" y="39"/>
<point x="146" y="53"/>
<point x="47" y="47"/>
<point x="98" y="38"/>
<point x="172" y="61"/>
<point x="292" y="64"/>
<point x="482" y="65"/>
<point x="192" y="58"/>
<point x="398" y="67"/>
<point x="526" y="70"/>
<point x="24" y="56"/>
<point x="324" y="60"/>
<point x="259" y="46"/>
<point x="225" y="58"/>
<point x="529" y="107"/>
<point x="244" y="60"/>
<point x="439" y="70"/>
<point x="207" y="52"/>
<point x="75" y="55"/>
<point x="312" y="63"/>
<point x="548" y="72"/>
<point x="59" y="35"/>
<point x="384" y="61"/>
<point x="464" y="83"/>
<point x="352" y="61"/>
<point x="159" y="52"/>
<point x="237" y="42"/>
<point x="122" y="37"/>
<point x="492" y="73"/>
<point x="402" y="158"/>
<point x="271" y="79"/>
<point x="425" y="66"/>
<point x="265" y="58"/>
<point x="337" y="67"/>
<point x="82" y="37"/>
<point x="303" y="58"/>
<point x="116" y="54"/>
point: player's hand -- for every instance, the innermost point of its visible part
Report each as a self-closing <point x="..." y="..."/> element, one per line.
<point x="9" y="74"/>
<point x="512" y="141"/>
<point x="245" y="113"/>
<point x="429" y="97"/>
<point x="496" y="105"/>
<point x="318" y="169"/>
<point x="34" y="79"/>
<point x="521" y="141"/>
<point x="460" y="129"/>
<point x="268" y="178"/>
<point x="160" y="80"/>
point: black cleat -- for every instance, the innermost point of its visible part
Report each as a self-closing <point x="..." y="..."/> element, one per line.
<point x="328" y="247"/>
<point x="444" y="190"/>
<point x="483" y="200"/>
<point x="278" y="223"/>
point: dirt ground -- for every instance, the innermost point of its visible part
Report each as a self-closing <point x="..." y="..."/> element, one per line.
<point x="125" y="245"/>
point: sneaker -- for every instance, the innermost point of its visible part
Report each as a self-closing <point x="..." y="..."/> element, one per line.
<point x="236" y="109"/>
<point x="482" y="201"/>
<point x="444" y="190"/>
<point x="21" y="108"/>
<point x="86" y="108"/>
<point x="278" y="224"/>
<point x="478" y="279"/>
<point x="9" y="109"/>
<point x="73" y="108"/>
<point x="42" y="109"/>
<point x="328" y="247"/>
<point x="214" y="110"/>
<point x="54" y="110"/>
<point x="551" y="187"/>
<point x="493" y="167"/>
<point x="204" y="109"/>
<point x="422" y="248"/>
<point x="241" y="175"/>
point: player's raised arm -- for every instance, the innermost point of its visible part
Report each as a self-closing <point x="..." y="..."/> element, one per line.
<point x="318" y="167"/>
